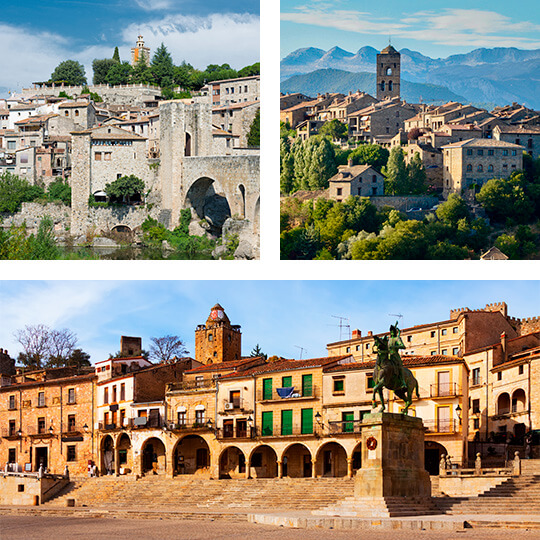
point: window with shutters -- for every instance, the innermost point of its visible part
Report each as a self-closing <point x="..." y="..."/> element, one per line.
<point x="307" y="385"/>
<point x="286" y="422"/>
<point x="306" y="425"/>
<point x="267" y="388"/>
<point x="267" y="423"/>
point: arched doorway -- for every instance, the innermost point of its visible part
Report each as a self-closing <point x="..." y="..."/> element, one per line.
<point x="263" y="462"/>
<point x="187" y="147"/>
<point x="107" y="455"/>
<point x="100" y="196"/>
<point x="256" y="216"/>
<point x="519" y="400"/>
<point x="297" y="462"/>
<point x="232" y="463"/>
<point x="432" y="456"/>
<point x="331" y="460"/>
<point x="153" y="456"/>
<point x="124" y="454"/>
<point x="208" y="203"/>
<point x="357" y="458"/>
<point x="191" y="455"/>
<point x="503" y="404"/>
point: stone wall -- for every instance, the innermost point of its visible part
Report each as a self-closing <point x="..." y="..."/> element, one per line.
<point x="133" y="94"/>
<point x="468" y="486"/>
<point x="404" y="203"/>
<point x="23" y="490"/>
<point x="104" y="219"/>
<point x="32" y="213"/>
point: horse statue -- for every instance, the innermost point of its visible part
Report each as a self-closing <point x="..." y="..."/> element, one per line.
<point x="390" y="372"/>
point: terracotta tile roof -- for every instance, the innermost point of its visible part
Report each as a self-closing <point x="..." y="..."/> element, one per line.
<point x="288" y="365"/>
<point x="225" y="366"/>
<point x="235" y="106"/>
<point x="482" y="143"/>
<point x="408" y="361"/>
<point x="74" y="105"/>
<point x="36" y="119"/>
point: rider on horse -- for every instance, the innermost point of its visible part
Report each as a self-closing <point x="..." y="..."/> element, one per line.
<point x="394" y="345"/>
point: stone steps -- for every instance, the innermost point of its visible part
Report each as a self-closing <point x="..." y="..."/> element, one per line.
<point x="518" y="495"/>
<point x="301" y="494"/>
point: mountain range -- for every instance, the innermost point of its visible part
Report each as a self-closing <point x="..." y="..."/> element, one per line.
<point x="496" y="76"/>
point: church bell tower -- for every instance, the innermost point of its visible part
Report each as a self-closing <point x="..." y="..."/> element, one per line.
<point x="388" y="73"/>
<point x="217" y="340"/>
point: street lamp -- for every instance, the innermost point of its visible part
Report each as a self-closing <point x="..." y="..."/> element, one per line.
<point x="458" y="412"/>
<point x="86" y="428"/>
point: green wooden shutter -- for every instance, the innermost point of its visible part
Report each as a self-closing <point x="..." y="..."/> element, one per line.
<point x="307" y="385"/>
<point x="267" y="423"/>
<point x="286" y="422"/>
<point x="348" y="424"/>
<point x="286" y="382"/>
<point x="267" y="388"/>
<point x="307" y="421"/>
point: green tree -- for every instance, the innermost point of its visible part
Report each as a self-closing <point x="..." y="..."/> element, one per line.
<point x="119" y="74"/>
<point x="334" y="129"/>
<point x="370" y="154"/>
<point x="286" y="175"/>
<point x="417" y="176"/>
<point x="508" y="198"/>
<point x="15" y="190"/>
<point x="162" y="67"/>
<point x="249" y="71"/>
<point x="396" y="182"/>
<point x="125" y="188"/>
<point x="116" y="55"/>
<point x="314" y="163"/>
<point x="101" y="68"/>
<point x="69" y="71"/>
<point x="454" y="209"/>
<point x="254" y="135"/>
<point x="183" y="75"/>
<point x="78" y="358"/>
<point x="141" y="73"/>
<point x="257" y="352"/>
<point x="59" y="190"/>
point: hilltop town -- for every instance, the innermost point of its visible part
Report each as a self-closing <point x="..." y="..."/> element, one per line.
<point x="129" y="157"/>
<point x="451" y="161"/>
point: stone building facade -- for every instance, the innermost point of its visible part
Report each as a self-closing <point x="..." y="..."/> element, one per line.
<point x="47" y="418"/>
<point x="469" y="164"/>
<point x="227" y="92"/>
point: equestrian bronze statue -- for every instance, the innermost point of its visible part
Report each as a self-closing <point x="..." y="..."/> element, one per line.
<point x="390" y="372"/>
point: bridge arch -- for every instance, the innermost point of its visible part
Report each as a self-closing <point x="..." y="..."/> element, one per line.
<point x="209" y="202"/>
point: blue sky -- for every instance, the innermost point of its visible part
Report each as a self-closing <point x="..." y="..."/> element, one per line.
<point x="279" y="315"/>
<point x="435" y="28"/>
<point x="35" y="35"/>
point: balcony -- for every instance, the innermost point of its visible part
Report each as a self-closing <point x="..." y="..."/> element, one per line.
<point x="297" y="393"/>
<point x="190" y="386"/>
<point x="189" y="424"/>
<point x="296" y="430"/>
<point x="346" y="426"/>
<point x="235" y="406"/>
<point x="228" y="433"/>
<point x="444" y="390"/>
<point x="441" y="426"/>
<point x="10" y="434"/>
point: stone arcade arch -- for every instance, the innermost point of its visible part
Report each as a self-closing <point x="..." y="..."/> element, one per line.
<point x="519" y="400"/>
<point x="191" y="455"/>
<point x="331" y="460"/>
<point x="152" y="453"/>
<point x="297" y="462"/>
<point x="232" y="463"/>
<point x="209" y="203"/>
<point x="263" y="462"/>
<point x="107" y="455"/>
<point x="432" y="456"/>
<point x="124" y="454"/>
<point x="356" y="458"/>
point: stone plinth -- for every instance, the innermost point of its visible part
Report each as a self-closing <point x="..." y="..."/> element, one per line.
<point x="392" y="457"/>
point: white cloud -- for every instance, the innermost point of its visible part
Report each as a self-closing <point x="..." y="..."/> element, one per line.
<point x="151" y="5"/>
<point x="465" y="27"/>
<point x="216" y="39"/>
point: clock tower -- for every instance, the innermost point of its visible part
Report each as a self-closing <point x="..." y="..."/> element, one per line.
<point x="217" y="340"/>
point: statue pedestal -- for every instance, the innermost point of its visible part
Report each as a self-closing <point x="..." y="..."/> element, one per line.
<point x="392" y="480"/>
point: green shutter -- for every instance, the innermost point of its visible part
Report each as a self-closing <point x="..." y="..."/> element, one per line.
<point x="286" y="382"/>
<point x="348" y="424"/>
<point x="267" y="388"/>
<point x="267" y="423"/>
<point x="307" y="385"/>
<point x="286" y="422"/>
<point x="307" y="421"/>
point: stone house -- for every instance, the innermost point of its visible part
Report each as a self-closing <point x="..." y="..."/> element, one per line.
<point x="47" y="418"/>
<point x="307" y="109"/>
<point x="355" y="180"/>
<point x="236" y="119"/>
<point x="431" y="158"/>
<point x="342" y="106"/>
<point x="308" y="128"/>
<point x="460" y="132"/>
<point x="528" y="137"/>
<point x="467" y="165"/>
<point x="240" y="90"/>
<point x="286" y="101"/>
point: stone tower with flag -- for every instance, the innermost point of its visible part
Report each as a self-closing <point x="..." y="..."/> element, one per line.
<point x="388" y="73"/>
<point x="140" y="51"/>
<point x="218" y="340"/>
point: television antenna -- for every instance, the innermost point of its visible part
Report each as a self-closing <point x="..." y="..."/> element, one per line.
<point x="398" y="315"/>
<point x="342" y="326"/>
<point x="301" y="350"/>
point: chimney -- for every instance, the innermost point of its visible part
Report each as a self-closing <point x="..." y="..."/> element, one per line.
<point x="356" y="333"/>
<point x="349" y="162"/>
<point x="370" y="333"/>
<point x="503" y="346"/>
